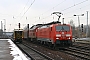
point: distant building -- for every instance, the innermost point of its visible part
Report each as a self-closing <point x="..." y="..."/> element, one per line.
<point x="1" y="32"/>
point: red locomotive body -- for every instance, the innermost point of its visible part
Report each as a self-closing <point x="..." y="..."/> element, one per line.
<point x="55" y="34"/>
<point x="33" y="33"/>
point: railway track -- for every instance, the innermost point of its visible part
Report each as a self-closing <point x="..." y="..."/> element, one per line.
<point x="79" y="50"/>
<point x="32" y="53"/>
<point x="55" y="55"/>
<point x="83" y="46"/>
<point x="86" y="47"/>
<point x="83" y="54"/>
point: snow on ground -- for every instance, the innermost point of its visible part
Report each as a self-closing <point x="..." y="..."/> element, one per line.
<point x="15" y="52"/>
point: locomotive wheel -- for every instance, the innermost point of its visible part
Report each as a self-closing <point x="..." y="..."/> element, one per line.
<point x="31" y="39"/>
<point x="71" y="44"/>
<point x="54" y="46"/>
<point x="50" y="45"/>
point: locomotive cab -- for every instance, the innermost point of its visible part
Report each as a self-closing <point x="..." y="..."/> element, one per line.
<point x="63" y="35"/>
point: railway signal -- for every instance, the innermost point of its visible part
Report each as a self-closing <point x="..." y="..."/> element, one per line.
<point x="28" y="31"/>
<point x="19" y="25"/>
<point x="28" y="26"/>
<point x="82" y="27"/>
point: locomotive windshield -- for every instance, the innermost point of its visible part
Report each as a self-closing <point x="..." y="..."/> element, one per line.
<point x="62" y="28"/>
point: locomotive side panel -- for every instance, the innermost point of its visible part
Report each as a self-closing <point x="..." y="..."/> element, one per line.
<point x="43" y="34"/>
<point x="32" y="35"/>
<point x="33" y="32"/>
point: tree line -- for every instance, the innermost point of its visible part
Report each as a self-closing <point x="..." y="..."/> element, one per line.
<point x="79" y="31"/>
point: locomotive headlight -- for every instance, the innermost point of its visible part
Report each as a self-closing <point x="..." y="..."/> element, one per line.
<point x="57" y="38"/>
<point x="22" y="37"/>
<point x="68" y="35"/>
<point x="58" y="35"/>
<point x="69" y="38"/>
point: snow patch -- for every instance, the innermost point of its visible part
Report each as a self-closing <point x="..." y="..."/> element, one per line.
<point x="16" y="53"/>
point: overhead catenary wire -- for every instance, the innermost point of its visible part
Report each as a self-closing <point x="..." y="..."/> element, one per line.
<point x="19" y="13"/>
<point x="24" y="7"/>
<point x="41" y="18"/>
<point x="74" y="5"/>
<point x="51" y="8"/>
<point x="66" y="8"/>
<point x="28" y="8"/>
<point x="78" y="9"/>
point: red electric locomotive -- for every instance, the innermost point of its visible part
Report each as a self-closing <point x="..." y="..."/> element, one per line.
<point x="55" y="34"/>
<point x="32" y="32"/>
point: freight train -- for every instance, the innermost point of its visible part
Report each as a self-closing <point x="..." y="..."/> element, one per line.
<point x="18" y="35"/>
<point x="53" y="34"/>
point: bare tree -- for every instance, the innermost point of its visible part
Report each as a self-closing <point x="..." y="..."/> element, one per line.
<point x="74" y="32"/>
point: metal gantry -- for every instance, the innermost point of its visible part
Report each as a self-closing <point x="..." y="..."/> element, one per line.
<point x="79" y="23"/>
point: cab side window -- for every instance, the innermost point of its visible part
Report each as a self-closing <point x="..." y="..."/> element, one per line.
<point x="51" y="28"/>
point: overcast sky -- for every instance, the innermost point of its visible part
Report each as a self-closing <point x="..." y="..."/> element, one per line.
<point x="39" y="11"/>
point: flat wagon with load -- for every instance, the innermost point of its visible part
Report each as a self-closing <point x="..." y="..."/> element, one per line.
<point x="18" y="35"/>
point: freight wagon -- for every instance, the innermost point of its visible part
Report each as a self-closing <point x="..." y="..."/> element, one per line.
<point x="18" y="35"/>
